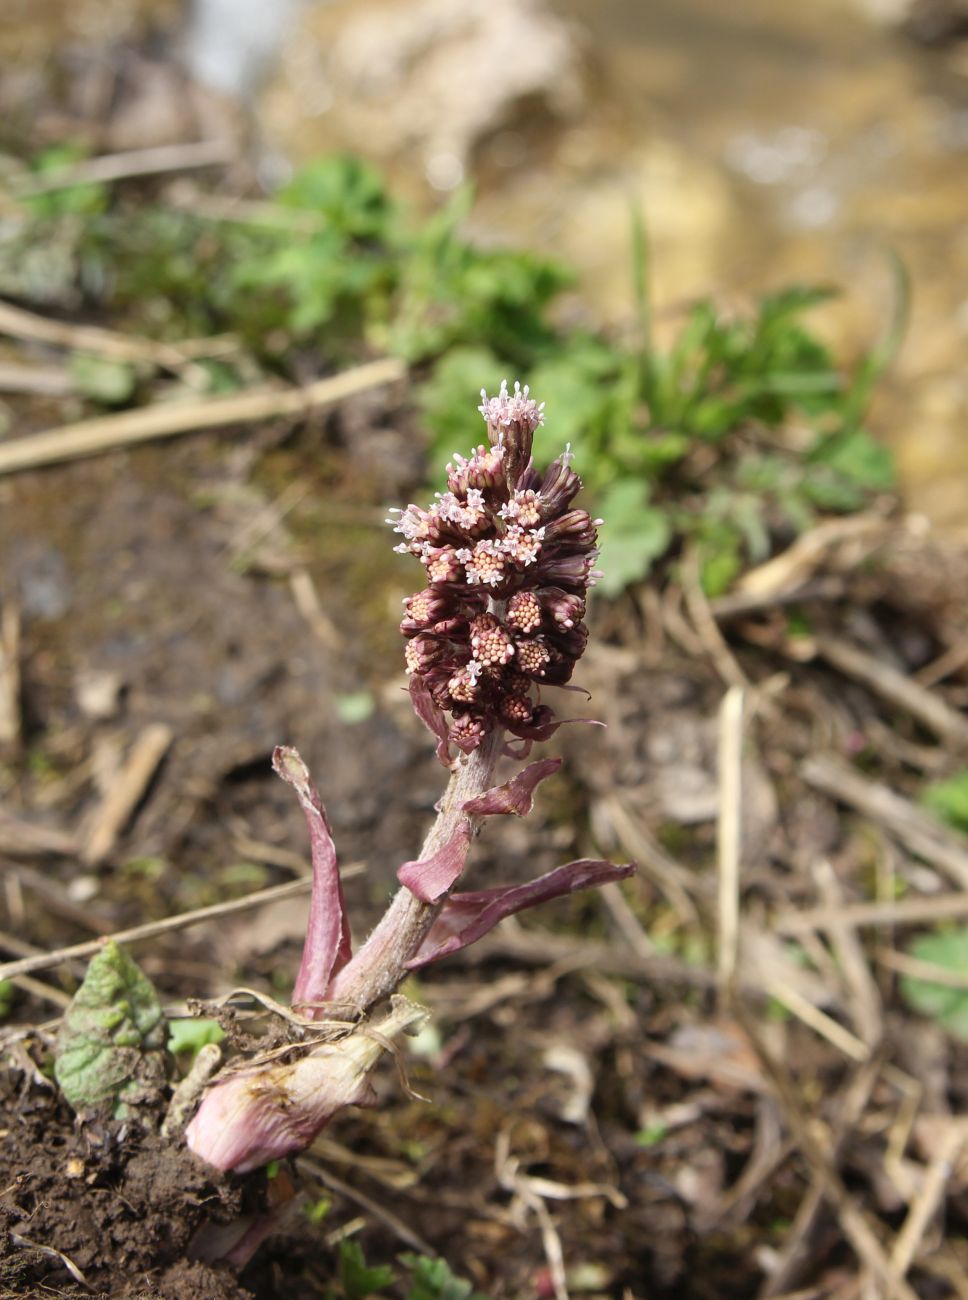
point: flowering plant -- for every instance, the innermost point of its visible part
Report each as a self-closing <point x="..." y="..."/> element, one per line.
<point x="508" y="562"/>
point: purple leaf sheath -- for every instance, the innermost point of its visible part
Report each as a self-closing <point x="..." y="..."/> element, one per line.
<point x="465" y="918"/>
<point x="431" y="878"/>
<point x="327" y="947"/>
<point x="515" y="796"/>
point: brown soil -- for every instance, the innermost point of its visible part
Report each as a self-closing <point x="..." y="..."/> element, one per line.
<point x="575" y="1053"/>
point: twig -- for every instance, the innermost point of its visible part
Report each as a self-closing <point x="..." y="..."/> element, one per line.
<point x="55" y="897"/>
<point x="126" y="792"/>
<point x="819" y="1021"/>
<point x="791" y="568"/>
<point x="820" y="1154"/>
<point x="949" y="662"/>
<point x="165" y="420"/>
<point x="33" y="328"/>
<point x="926" y="1203"/>
<point x="904" y="911"/>
<point x="669" y="877"/>
<point x="51" y="1253"/>
<point x="863" y="996"/>
<point x="133" y="162"/>
<point x="713" y="641"/>
<point x="917" y="969"/>
<point x="799" y="1240"/>
<point x="896" y="688"/>
<point x="943" y="848"/>
<point x="737" y="604"/>
<point x="729" y="831"/>
<point x="44" y="961"/>
<point x="44" y="381"/>
<point x="9" y="674"/>
<point x="379" y="1212"/>
<point x="26" y="840"/>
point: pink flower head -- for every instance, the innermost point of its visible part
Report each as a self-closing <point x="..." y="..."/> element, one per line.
<point x="508" y="564"/>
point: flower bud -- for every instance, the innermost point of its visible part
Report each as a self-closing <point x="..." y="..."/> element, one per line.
<point x="425" y="608"/>
<point x="443" y="564"/>
<point x="467" y="731"/>
<point x="570" y="532"/>
<point x="565" y="608"/>
<point x="511" y="422"/>
<point x="559" y="487"/>
<point x="524" y="612"/>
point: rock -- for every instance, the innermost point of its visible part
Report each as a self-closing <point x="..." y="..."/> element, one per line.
<point x="420" y="83"/>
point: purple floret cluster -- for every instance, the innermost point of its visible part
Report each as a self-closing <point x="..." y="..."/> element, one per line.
<point x="508" y="562"/>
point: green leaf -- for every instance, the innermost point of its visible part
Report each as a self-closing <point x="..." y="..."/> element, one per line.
<point x="949" y="799"/>
<point x="948" y="1006"/>
<point x="357" y="1280"/>
<point x="191" y="1035"/>
<point x="652" y="1135"/>
<point x="859" y="458"/>
<point x="103" y="380"/>
<point x="110" y="1053"/>
<point x="635" y="534"/>
<point x="433" y="1280"/>
<point x="84" y="200"/>
<point x="354" y="707"/>
<point x="347" y="193"/>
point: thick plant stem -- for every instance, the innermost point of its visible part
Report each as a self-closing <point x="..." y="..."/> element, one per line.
<point x="381" y="964"/>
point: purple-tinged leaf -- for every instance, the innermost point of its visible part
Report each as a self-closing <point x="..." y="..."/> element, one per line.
<point x="431" y="716"/>
<point x="544" y="724"/>
<point x="465" y="918"/>
<point x="327" y="948"/>
<point x="515" y="796"/>
<point x="430" y="878"/>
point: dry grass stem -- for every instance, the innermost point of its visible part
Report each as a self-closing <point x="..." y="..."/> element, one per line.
<point x="9" y="674"/>
<point x="626" y="921"/>
<point x="166" y="419"/>
<point x="729" y="831"/>
<point x="367" y="1203"/>
<point x="864" y="998"/>
<point x="919" y="831"/>
<point x="44" y="961"/>
<point x="132" y="162"/>
<point x="891" y="912"/>
<point x="707" y="629"/>
<point x="792" y="567"/>
<point x="895" y="687"/>
<point x="795" y="1255"/>
<point x="40" y="381"/>
<point x="819" y="1021"/>
<point x="635" y="839"/>
<point x="926" y="1204"/>
<point x="126" y="792"/>
<point x="921" y="970"/>
<point x="17" y="322"/>
<point x="307" y="600"/>
<point x="818" y="1149"/>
